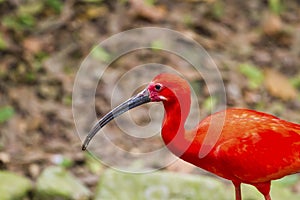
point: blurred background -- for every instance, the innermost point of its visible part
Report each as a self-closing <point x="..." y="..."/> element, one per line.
<point x="255" y="44"/>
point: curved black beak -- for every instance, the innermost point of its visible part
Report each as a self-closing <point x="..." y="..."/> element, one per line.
<point x="139" y="99"/>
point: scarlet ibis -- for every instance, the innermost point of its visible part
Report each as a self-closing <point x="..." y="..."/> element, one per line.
<point x="252" y="148"/>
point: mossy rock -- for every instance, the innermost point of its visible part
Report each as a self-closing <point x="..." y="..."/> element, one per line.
<point x="167" y="185"/>
<point x="56" y="183"/>
<point x="13" y="186"/>
<point x="160" y="185"/>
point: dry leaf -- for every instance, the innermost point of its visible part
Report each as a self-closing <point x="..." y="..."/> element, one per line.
<point x="96" y="12"/>
<point x="152" y="13"/>
<point x="279" y="86"/>
<point x="33" y="44"/>
<point x="272" y="24"/>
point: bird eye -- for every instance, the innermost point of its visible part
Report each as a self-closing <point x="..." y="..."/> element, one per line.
<point x="157" y="87"/>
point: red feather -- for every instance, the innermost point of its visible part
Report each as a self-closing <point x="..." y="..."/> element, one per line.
<point x="241" y="145"/>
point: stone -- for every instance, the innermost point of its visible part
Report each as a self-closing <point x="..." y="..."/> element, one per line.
<point x="58" y="183"/>
<point x="178" y="186"/>
<point x="160" y="185"/>
<point x="13" y="186"/>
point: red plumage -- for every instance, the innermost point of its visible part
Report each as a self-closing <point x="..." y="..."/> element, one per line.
<point x="241" y="145"/>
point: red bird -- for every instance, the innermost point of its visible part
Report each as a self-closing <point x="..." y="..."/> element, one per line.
<point x="252" y="147"/>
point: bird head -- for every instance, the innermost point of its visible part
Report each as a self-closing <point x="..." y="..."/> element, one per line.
<point x="167" y="88"/>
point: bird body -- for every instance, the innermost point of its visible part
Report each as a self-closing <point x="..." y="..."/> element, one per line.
<point x="249" y="147"/>
<point x="253" y="147"/>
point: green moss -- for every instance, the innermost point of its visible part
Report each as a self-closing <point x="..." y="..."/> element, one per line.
<point x="13" y="187"/>
<point x="6" y="113"/>
<point x="254" y="75"/>
<point x="58" y="183"/>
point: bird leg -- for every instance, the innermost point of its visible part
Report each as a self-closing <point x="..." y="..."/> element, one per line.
<point x="264" y="188"/>
<point x="268" y="197"/>
<point x="237" y="187"/>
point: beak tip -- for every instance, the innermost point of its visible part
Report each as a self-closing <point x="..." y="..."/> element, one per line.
<point x="84" y="146"/>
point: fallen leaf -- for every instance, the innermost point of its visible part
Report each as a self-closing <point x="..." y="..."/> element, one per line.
<point x="5" y="157"/>
<point x="279" y="85"/>
<point x="96" y="12"/>
<point x="149" y="12"/>
<point x="33" y="44"/>
<point x="272" y="24"/>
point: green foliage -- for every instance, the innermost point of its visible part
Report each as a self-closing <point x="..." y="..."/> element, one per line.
<point x="255" y="76"/>
<point x="150" y="2"/>
<point x="63" y="161"/>
<point x="93" y="164"/>
<point x="40" y="56"/>
<point x="123" y="1"/>
<point x="101" y="54"/>
<point x="3" y="43"/>
<point x="66" y="162"/>
<point x="25" y="16"/>
<point x="218" y="9"/>
<point x="187" y="19"/>
<point x="30" y="77"/>
<point x="57" y="5"/>
<point x="19" y="22"/>
<point x="276" y="6"/>
<point x="67" y="100"/>
<point x="210" y="102"/>
<point x="157" y="45"/>
<point x="26" y="20"/>
<point x="296" y="81"/>
<point x="6" y="113"/>
<point x="93" y="1"/>
<point x="30" y="8"/>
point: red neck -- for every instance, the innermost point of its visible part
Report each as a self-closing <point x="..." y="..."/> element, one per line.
<point x="173" y="132"/>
